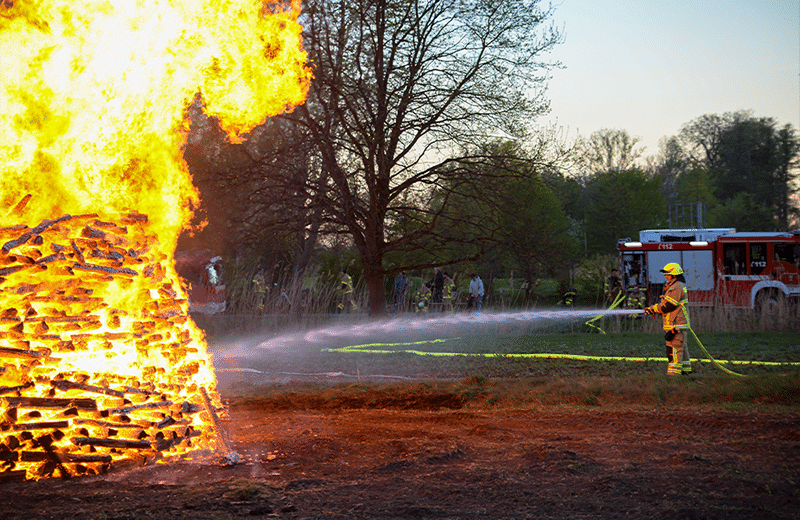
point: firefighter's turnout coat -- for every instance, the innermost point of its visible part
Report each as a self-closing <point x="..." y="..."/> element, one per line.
<point x="673" y="305"/>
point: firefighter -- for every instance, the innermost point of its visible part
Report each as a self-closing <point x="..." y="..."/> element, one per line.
<point x="675" y="313"/>
<point x="569" y="298"/>
<point x="347" y="292"/>
<point x="423" y="298"/>
<point x="635" y="299"/>
<point x="448" y="291"/>
<point x="613" y="286"/>
<point x="260" y="288"/>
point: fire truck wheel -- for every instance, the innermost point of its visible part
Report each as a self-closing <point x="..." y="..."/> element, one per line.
<point x="769" y="304"/>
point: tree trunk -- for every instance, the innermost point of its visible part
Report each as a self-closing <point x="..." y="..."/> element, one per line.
<point x="377" y="297"/>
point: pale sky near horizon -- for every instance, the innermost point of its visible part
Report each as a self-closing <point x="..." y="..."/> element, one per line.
<point x="650" y="66"/>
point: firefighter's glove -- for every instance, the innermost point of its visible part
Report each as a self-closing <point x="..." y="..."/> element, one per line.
<point x="649" y="311"/>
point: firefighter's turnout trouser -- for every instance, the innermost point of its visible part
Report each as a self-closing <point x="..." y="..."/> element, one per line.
<point x="678" y="359"/>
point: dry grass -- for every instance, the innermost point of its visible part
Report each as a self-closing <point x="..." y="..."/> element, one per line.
<point x="764" y="392"/>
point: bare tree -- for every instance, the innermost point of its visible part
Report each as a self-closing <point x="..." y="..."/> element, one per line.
<point x="606" y="150"/>
<point x="399" y="88"/>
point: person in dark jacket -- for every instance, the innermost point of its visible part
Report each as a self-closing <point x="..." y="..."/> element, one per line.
<point x="438" y="285"/>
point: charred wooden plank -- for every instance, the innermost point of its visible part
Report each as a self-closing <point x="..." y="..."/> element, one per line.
<point x="134" y="217"/>
<point x="222" y="437"/>
<point x="12" y="389"/>
<point x="132" y="390"/>
<point x="66" y="386"/>
<point x="138" y="425"/>
<point x="111" y="443"/>
<point x="5" y="271"/>
<point x="69" y="319"/>
<point x="90" y="232"/>
<point x="144" y="406"/>
<point x="41" y="425"/>
<point x="104" y="269"/>
<point x="46" y="223"/>
<point x="13" y="475"/>
<point x="32" y="456"/>
<point x="51" y="402"/>
<point x="80" y="457"/>
<point x="170" y="421"/>
<point x="22" y="203"/>
<point x="11" y="244"/>
<point x="120" y="230"/>
<point x="163" y="444"/>
<point x="50" y="258"/>
<point x="13" y="230"/>
<point x="78" y="251"/>
<point x="24" y="354"/>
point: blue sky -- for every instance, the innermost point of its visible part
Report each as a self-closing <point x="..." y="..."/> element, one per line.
<point x="650" y="66"/>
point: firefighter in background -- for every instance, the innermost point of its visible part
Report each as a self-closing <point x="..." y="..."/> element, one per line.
<point x="423" y="300"/>
<point x="347" y="292"/>
<point x="675" y="313"/>
<point x="613" y="286"/>
<point x="260" y="288"/>
<point x="569" y="298"/>
<point x="635" y="299"/>
<point x="448" y="292"/>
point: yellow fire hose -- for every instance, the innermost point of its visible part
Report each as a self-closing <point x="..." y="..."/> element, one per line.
<point x="376" y="348"/>
<point x="385" y="348"/>
<point x="620" y="297"/>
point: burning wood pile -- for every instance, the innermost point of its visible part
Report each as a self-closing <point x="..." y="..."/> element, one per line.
<point x="99" y="361"/>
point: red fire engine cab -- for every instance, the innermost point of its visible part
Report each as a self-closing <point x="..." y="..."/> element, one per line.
<point x="722" y="267"/>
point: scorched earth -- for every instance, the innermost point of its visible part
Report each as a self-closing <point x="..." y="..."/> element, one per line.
<point x="386" y="454"/>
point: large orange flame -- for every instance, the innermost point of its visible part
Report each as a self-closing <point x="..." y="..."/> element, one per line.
<point x="93" y="99"/>
<point x="93" y="95"/>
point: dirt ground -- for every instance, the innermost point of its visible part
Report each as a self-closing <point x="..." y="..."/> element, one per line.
<point x="433" y="459"/>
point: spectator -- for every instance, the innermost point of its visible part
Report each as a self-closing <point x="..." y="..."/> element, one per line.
<point x="401" y="284"/>
<point x="476" y="291"/>
<point x="438" y="285"/>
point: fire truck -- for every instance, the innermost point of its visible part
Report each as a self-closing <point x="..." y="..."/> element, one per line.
<point x="757" y="270"/>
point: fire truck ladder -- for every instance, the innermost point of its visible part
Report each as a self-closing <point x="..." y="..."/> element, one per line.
<point x="686" y="215"/>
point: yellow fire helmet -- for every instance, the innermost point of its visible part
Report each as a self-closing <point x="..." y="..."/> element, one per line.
<point x="673" y="269"/>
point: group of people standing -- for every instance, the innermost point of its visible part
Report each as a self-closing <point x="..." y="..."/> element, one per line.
<point x="439" y="294"/>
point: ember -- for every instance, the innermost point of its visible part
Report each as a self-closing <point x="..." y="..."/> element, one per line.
<point x="100" y="361"/>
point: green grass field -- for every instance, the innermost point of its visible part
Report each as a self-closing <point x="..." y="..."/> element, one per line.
<point x="505" y="370"/>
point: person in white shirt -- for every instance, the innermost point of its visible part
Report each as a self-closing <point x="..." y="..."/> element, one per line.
<point x="476" y="291"/>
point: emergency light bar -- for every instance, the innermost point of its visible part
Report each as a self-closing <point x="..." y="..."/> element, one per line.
<point x="633" y="244"/>
<point x="700" y="243"/>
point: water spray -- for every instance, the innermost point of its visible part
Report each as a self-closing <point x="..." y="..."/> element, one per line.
<point x="394" y="333"/>
<point x="452" y="324"/>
